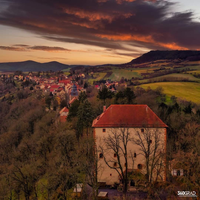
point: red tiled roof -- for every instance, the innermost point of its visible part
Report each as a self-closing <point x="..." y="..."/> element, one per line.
<point x="73" y="100"/>
<point x="65" y="109"/>
<point x="128" y="116"/>
<point x="51" y="90"/>
<point x="65" y="81"/>
<point x="55" y="86"/>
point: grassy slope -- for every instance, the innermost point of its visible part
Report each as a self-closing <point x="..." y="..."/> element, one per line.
<point x="119" y="73"/>
<point x="184" y="90"/>
<point x="179" y="76"/>
<point x="96" y="77"/>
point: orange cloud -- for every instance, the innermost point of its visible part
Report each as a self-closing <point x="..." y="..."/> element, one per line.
<point x="145" y="39"/>
<point x="89" y="15"/>
<point x="127" y="37"/>
<point x="172" y="46"/>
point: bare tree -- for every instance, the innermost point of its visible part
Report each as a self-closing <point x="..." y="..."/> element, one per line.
<point x="151" y="145"/>
<point x="117" y="143"/>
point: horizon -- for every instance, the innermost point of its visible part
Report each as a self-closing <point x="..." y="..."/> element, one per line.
<point x="96" y="32"/>
<point x="88" y="64"/>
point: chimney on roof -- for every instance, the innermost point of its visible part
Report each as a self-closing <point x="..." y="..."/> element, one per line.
<point x="104" y="108"/>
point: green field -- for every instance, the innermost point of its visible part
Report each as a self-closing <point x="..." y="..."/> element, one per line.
<point x="119" y="73"/>
<point x="96" y="77"/>
<point x="184" y="90"/>
<point x="67" y="73"/>
<point x="66" y="70"/>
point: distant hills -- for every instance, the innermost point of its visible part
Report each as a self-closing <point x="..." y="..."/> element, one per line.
<point x="32" y="66"/>
<point x="167" y="55"/>
<point x="145" y="58"/>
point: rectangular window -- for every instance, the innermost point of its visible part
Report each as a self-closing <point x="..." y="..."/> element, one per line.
<point x="115" y="155"/>
<point x="142" y="130"/>
<point x="104" y="130"/>
<point x="115" y="164"/>
<point x="100" y="155"/>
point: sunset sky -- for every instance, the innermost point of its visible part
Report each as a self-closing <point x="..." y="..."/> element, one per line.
<point x="95" y="31"/>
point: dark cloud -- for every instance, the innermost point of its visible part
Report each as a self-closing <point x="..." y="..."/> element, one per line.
<point x="105" y="23"/>
<point x="46" y="48"/>
<point x="22" y="47"/>
<point x="12" y="48"/>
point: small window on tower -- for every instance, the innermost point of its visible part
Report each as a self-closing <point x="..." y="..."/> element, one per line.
<point x="142" y="130"/>
<point x="100" y="155"/>
<point x="115" y="155"/>
<point x="135" y="155"/>
<point x="104" y="130"/>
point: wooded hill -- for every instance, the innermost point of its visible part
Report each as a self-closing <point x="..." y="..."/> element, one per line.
<point x="167" y="55"/>
<point x="28" y="66"/>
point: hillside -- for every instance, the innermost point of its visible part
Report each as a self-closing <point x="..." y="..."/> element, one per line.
<point x="32" y="66"/>
<point x="167" y="55"/>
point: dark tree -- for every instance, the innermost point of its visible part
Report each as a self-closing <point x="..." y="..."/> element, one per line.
<point x="104" y="94"/>
<point x="73" y="109"/>
<point x="126" y="96"/>
<point x="82" y="97"/>
<point x="85" y="117"/>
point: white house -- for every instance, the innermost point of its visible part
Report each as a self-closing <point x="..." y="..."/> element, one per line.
<point x="138" y="122"/>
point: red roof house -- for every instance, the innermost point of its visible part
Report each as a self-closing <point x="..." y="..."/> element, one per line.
<point x="63" y="114"/>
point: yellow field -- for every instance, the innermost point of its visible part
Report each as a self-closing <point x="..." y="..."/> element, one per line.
<point x="183" y="90"/>
<point x="193" y="72"/>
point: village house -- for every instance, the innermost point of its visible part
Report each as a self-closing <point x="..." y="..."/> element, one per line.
<point x="63" y="114"/>
<point x="137" y="119"/>
<point x="176" y="168"/>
